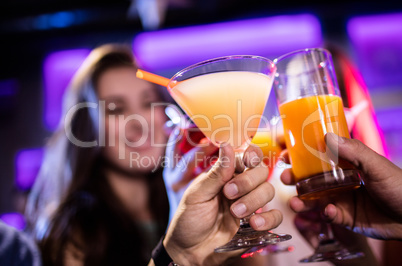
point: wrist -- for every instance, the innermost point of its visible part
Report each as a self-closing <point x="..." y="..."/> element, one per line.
<point x="160" y="257"/>
<point x="177" y="254"/>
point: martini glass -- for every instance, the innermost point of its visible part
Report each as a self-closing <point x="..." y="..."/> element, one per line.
<point x="225" y="97"/>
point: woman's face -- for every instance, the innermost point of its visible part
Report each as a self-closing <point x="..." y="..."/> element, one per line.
<point x="134" y="135"/>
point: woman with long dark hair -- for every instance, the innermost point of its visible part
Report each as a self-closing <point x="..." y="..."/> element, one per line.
<point x="100" y="198"/>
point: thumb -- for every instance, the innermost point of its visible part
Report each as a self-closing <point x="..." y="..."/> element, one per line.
<point x="371" y="163"/>
<point x="208" y="185"/>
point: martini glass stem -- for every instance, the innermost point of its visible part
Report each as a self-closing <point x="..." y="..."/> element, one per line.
<point x="246" y="236"/>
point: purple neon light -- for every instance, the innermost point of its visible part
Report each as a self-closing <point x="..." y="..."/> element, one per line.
<point x="14" y="219"/>
<point x="270" y="36"/>
<point x="58" y="69"/>
<point x="377" y="41"/>
<point x="391" y="124"/>
<point x="27" y="164"/>
<point x="390" y="119"/>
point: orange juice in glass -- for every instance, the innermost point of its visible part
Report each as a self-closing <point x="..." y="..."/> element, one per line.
<point x="310" y="106"/>
<point x="305" y="132"/>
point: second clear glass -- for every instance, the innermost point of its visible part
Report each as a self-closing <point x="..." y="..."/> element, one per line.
<point x="311" y="106"/>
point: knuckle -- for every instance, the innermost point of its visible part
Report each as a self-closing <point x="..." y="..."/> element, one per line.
<point x="264" y="170"/>
<point x="258" y="200"/>
<point x="357" y="147"/>
<point x="275" y="219"/>
<point x="269" y="190"/>
<point x="259" y="197"/>
<point x="214" y="172"/>
<point x="278" y="216"/>
<point x="247" y="180"/>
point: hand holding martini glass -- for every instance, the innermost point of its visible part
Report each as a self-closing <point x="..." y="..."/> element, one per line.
<point x="225" y="97"/>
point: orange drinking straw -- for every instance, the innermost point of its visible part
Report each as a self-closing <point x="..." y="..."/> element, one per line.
<point x="142" y="74"/>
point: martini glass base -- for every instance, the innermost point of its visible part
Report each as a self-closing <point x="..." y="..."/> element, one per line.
<point x="332" y="250"/>
<point x="268" y="249"/>
<point x="248" y="238"/>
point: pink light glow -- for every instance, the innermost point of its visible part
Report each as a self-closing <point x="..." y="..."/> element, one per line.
<point x="377" y="40"/>
<point x="270" y="36"/>
<point x="14" y="219"/>
<point x="373" y="27"/>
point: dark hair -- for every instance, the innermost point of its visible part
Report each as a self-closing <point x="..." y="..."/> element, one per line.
<point x="90" y="217"/>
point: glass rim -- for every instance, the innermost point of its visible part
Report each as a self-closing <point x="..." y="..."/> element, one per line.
<point x="218" y="59"/>
<point x="300" y="51"/>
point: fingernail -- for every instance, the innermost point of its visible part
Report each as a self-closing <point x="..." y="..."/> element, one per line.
<point x="231" y="190"/>
<point x="259" y="221"/>
<point x="239" y="209"/>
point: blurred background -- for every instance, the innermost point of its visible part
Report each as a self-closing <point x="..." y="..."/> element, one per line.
<point x="44" y="41"/>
